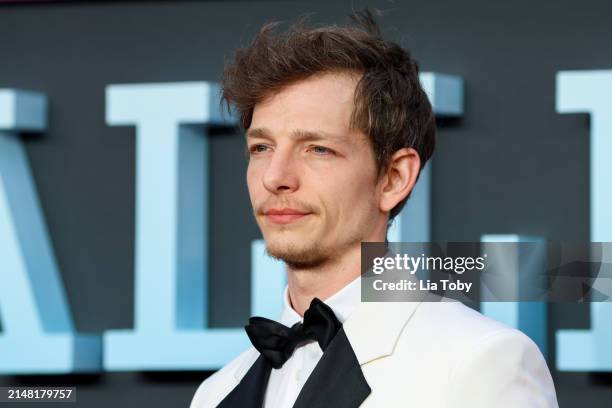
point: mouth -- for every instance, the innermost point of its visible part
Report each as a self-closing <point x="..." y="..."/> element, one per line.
<point x="285" y="215"/>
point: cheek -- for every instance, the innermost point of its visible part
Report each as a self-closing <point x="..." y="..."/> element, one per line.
<point x="253" y="179"/>
<point x="344" y="196"/>
<point x="358" y="194"/>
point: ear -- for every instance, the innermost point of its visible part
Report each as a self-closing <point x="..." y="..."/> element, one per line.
<point x="400" y="177"/>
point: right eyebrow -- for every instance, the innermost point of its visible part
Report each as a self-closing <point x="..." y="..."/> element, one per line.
<point x="260" y="133"/>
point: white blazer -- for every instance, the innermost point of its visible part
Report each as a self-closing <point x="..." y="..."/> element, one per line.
<point x="426" y="355"/>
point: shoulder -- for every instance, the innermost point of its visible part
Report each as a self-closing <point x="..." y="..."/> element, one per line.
<point x="464" y="332"/>
<point x="437" y="321"/>
<point x="485" y="358"/>
<point x="217" y="386"/>
<point x="453" y="317"/>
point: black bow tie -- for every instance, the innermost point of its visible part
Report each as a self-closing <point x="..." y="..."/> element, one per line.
<point x="276" y="342"/>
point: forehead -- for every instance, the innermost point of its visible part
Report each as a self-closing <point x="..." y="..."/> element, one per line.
<point x="322" y="103"/>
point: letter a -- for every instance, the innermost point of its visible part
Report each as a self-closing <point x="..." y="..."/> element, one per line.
<point x="38" y="333"/>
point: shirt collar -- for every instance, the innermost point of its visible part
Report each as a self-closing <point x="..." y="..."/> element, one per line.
<point x="342" y="303"/>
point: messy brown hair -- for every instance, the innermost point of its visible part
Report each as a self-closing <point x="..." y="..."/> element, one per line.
<point x="390" y="104"/>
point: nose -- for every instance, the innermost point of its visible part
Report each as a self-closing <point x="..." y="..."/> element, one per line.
<point x="280" y="175"/>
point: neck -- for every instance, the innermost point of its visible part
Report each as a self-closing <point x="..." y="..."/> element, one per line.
<point x="323" y="281"/>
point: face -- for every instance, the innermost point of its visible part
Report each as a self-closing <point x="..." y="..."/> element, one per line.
<point x="311" y="178"/>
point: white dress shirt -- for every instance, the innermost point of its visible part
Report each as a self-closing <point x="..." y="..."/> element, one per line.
<point x="286" y="382"/>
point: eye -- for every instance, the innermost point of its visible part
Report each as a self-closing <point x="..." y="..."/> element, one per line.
<point x="322" y="150"/>
<point x="258" y="148"/>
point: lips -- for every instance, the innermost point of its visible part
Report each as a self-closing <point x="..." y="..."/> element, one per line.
<point x="285" y="215"/>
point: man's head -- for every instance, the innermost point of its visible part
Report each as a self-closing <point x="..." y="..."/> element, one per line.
<point x="338" y="128"/>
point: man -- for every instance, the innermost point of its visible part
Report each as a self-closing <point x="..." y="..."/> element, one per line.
<point x="338" y="129"/>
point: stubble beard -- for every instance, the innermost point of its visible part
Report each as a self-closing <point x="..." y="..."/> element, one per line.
<point x="308" y="255"/>
<point x="298" y="257"/>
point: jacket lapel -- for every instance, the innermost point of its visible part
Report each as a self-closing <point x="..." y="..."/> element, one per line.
<point x="374" y="328"/>
<point x="337" y="380"/>
<point x="250" y="391"/>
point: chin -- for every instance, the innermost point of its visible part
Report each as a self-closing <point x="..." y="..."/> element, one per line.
<point x="284" y="248"/>
<point x="297" y="256"/>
